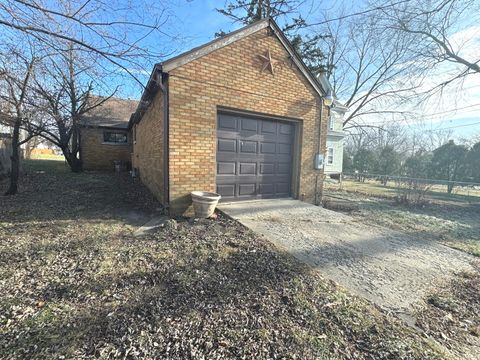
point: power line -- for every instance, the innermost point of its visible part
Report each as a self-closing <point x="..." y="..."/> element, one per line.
<point x="454" y="127"/>
<point x="453" y="110"/>
<point x="359" y="13"/>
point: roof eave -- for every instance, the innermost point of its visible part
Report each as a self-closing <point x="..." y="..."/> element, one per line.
<point x="153" y="85"/>
<point x="321" y="89"/>
<point x="213" y="45"/>
<point x="321" y="84"/>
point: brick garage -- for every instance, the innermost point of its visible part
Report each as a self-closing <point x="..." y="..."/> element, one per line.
<point x="104" y="134"/>
<point x="250" y="75"/>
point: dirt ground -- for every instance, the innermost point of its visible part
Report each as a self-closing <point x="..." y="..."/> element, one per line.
<point x="76" y="283"/>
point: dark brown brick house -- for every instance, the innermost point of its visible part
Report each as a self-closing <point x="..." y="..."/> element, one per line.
<point x="241" y="116"/>
<point x="104" y="135"/>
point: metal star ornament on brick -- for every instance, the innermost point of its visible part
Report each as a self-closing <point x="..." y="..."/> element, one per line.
<point x="268" y="63"/>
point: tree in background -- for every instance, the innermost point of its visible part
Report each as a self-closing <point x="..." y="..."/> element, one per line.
<point x="249" y="11"/>
<point x="306" y="45"/>
<point x="32" y="144"/>
<point x="116" y="31"/>
<point x="364" y="162"/>
<point x="418" y="166"/>
<point x="66" y="92"/>
<point x="17" y="71"/>
<point x="432" y="23"/>
<point x="347" y="162"/>
<point x="473" y="163"/>
<point x="388" y="162"/>
<point x="371" y="69"/>
<point x="448" y="163"/>
<point x="85" y="46"/>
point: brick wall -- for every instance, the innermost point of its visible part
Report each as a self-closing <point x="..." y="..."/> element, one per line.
<point x="231" y="77"/>
<point x="99" y="156"/>
<point x="148" y="149"/>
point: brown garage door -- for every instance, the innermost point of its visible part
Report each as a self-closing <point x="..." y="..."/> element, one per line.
<point x="254" y="157"/>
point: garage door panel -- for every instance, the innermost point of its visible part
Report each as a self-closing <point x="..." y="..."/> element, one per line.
<point x="268" y="148"/>
<point x="282" y="188"/>
<point x="268" y="127"/>
<point x="247" y="189"/>
<point x="254" y="157"/>
<point x="285" y="149"/>
<point x="283" y="168"/>
<point x="248" y="147"/>
<point x="267" y="168"/>
<point x="227" y="123"/>
<point x="249" y="125"/>
<point x="266" y="189"/>
<point x="286" y="129"/>
<point x="226" y="168"/>
<point x="227" y="145"/>
<point x="247" y="169"/>
<point x="226" y="190"/>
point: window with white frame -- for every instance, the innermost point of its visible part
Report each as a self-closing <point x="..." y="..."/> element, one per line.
<point x="330" y="156"/>
<point x="330" y="122"/>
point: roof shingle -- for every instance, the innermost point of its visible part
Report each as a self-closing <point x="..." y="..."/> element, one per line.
<point x="113" y="113"/>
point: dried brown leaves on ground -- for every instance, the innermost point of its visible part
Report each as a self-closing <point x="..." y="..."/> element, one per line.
<point x="75" y="283"/>
<point x="452" y="314"/>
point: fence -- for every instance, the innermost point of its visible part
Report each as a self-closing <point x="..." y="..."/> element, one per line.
<point x="407" y="189"/>
<point x="5" y="152"/>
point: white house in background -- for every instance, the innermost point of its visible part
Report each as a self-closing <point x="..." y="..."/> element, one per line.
<point x="335" y="136"/>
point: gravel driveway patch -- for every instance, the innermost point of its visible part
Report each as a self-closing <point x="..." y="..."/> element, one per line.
<point x="389" y="268"/>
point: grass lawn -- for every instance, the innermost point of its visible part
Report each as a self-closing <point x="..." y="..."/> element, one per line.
<point x="437" y="193"/>
<point x="75" y="283"/>
<point x="453" y="219"/>
<point x="48" y="157"/>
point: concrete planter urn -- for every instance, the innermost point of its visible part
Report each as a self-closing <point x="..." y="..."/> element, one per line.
<point x="204" y="203"/>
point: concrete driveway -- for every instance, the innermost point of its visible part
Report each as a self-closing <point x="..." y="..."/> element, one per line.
<point x="389" y="268"/>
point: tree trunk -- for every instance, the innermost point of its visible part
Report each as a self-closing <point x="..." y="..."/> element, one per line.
<point x="450" y="187"/>
<point x="15" y="158"/>
<point x="28" y="151"/>
<point x="30" y="145"/>
<point x="74" y="163"/>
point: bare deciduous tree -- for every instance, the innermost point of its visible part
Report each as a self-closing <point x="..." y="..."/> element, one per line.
<point x="16" y="76"/>
<point x="32" y="144"/>
<point x="433" y="24"/>
<point x="65" y="90"/>
<point x="369" y="68"/>
<point x="115" y="31"/>
<point x="86" y="46"/>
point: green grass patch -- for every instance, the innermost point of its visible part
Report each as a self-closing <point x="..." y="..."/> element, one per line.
<point x="56" y="166"/>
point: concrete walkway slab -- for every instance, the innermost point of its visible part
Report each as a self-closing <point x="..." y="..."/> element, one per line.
<point x="389" y="268"/>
